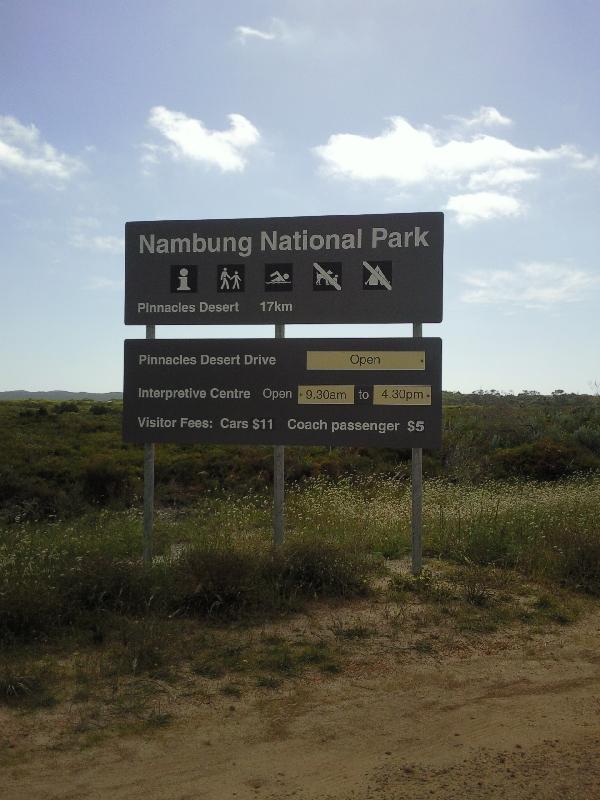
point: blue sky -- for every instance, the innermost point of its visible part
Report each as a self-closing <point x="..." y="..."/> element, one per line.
<point x="190" y="110"/>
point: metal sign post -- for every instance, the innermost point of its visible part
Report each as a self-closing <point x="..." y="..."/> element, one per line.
<point x="148" y="484"/>
<point x="278" y="475"/>
<point x="417" y="492"/>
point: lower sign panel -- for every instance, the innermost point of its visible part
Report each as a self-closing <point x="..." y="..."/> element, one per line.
<point x="334" y="392"/>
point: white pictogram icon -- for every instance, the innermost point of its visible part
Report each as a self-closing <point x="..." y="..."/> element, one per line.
<point x="376" y="277"/>
<point x="183" y="285"/>
<point x="327" y="278"/>
<point x="230" y="278"/>
<point x="225" y="278"/>
<point x="276" y="278"/>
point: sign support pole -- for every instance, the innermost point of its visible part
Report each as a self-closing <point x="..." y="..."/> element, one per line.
<point x="148" y="484"/>
<point x="417" y="492"/>
<point x="278" y="474"/>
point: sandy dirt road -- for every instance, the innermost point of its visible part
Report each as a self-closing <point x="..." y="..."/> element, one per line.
<point x="513" y="718"/>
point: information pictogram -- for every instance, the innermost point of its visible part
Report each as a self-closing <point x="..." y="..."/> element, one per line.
<point x="184" y="278"/>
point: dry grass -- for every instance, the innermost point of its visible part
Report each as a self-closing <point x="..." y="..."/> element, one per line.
<point x="221" y="614"/>
<point x="146" y="673"/>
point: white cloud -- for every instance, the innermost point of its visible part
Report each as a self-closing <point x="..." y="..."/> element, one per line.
<point x="106" y="244"/>
<point x="150" y="156"/>
<point x="99" y="283"/>
<point x="277" y="30"/>
<point x="244" y="32"/>
<point x="411" y="156"/>
<point x="22" y="150"/>
<point x="478" y="206"/>
<point x="582" y="162"/>
<point x="484" y="117"/>
<point x="86" y="222"/>
<point x="532" y="285"/>
<point x="505" y="176"/>
<point x="190" y="139"/>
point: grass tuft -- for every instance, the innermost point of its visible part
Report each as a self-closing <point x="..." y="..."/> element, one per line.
<point x="25" y="685"/>
<point x="426" y="585"/>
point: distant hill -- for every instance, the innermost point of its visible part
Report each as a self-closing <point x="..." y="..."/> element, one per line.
<point x="58" y="394"/>
<point x="480" y="397"/>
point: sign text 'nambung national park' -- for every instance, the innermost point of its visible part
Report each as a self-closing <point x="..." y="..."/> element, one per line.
<point x="377" y="268"/>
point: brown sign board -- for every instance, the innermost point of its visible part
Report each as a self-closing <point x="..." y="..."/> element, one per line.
<point x="334" y="392"/>
<point x="369" y="268"/>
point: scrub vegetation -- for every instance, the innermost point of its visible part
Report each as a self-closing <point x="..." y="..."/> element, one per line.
<point x="511" y="510"/>
<point x="59" y="459"/>
<point x="215" y="561"/>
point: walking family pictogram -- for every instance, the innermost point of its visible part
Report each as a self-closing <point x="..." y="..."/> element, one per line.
<point x="230" y="278"/>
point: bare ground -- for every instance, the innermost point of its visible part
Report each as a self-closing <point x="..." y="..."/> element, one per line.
<point x="511" y="714"/>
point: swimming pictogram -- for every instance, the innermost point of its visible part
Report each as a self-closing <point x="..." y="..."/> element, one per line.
<point x="279" y="277"/>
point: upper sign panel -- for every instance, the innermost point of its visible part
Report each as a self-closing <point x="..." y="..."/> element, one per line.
<point x="330" y="269"/>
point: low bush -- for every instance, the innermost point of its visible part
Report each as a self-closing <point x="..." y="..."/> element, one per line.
<point x="232" y="581"/>
<point x="577" y="557"/>
<point x="216" y="581"/>
<point x="544" y="459"/>
<point x="546" y="530"/>
<point x="589" y="436"/>
<point x="99" y="409"/>
<point x="106" y="481"/>
<point x="66" y="407"/>
<point x="313" y="568"/>
<point x="61" y="586"/>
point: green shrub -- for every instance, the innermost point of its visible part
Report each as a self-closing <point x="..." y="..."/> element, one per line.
<point x="98" y="409"/>
<point x="577" y="558"/>
<point x="216" y="582"/>
<point x="70" y="580"/>
<point x="542" y="460"/>
<point x="99" y="583"/>
<point x="588" y="436"/>
<point x="314" y="568"/>
<point x="106" y="480"/>
<point x="66" y="407"/>
<point x="55" y="462"/>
